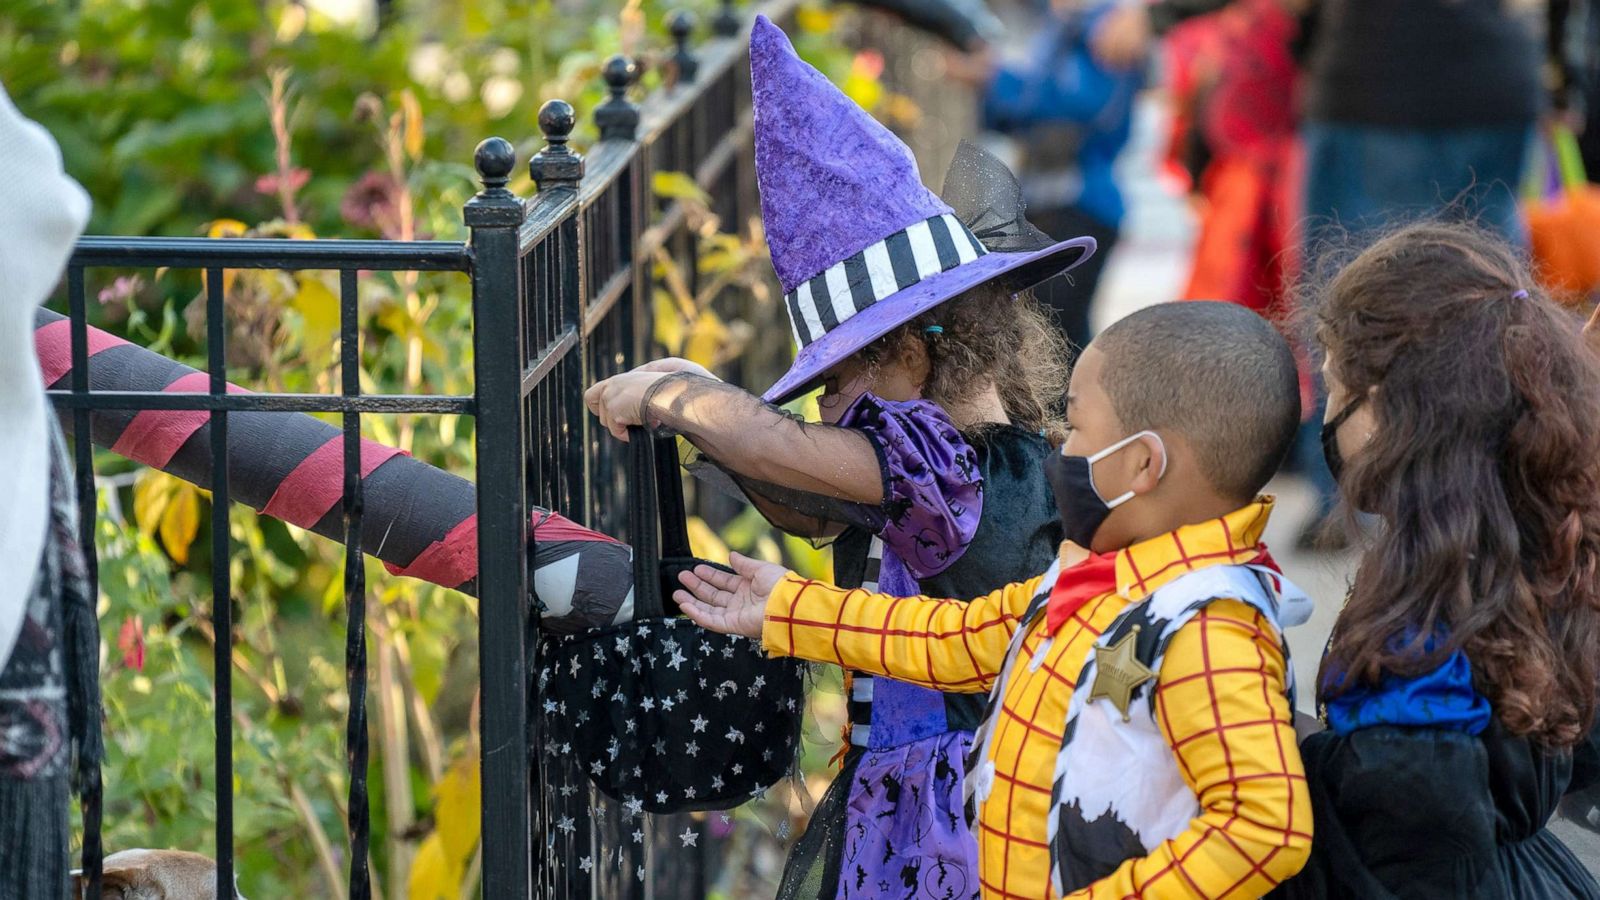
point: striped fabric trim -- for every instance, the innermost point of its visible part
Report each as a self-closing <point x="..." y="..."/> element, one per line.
<point x="859" y="703"/>
<point x="828" y="300"/>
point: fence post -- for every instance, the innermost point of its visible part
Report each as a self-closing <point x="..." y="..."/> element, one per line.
<point x="556" y="166"/>
<point x="727" y="22"/>
<point x="494" y="217"/>
<point x="557" y="169"/>
<point x="617" y="118"/>
<point x="681" y="26"/>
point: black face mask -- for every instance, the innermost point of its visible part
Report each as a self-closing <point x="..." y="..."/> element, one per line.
<point x="1330" y="436"/>
<point x="1078" y="501"/>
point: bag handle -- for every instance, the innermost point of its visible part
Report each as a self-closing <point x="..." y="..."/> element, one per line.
<point x="658" y="517"/>
<point x="1558" y="165"/>
<point x="1569" y="158"/>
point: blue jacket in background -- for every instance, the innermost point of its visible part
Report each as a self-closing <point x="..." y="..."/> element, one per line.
<point x="1062" y="84"/>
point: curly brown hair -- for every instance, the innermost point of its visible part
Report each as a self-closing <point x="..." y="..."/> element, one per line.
<point x="1483" y="469"/>
<point x="990" y="335"/>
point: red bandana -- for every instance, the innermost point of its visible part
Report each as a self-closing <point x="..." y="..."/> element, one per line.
<point x="1096" y="576"/>
<point x="1091" y="578"/>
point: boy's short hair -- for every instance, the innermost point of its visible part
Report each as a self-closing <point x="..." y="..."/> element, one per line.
<point x="1216" y="373"/>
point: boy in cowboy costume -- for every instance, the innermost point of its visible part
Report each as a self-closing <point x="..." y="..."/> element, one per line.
<point x="1139" y="739"/>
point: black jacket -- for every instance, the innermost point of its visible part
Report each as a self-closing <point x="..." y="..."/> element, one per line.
<point x="1419" y="813"/>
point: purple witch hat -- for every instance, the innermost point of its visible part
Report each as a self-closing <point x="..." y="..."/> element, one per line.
<point x="859" y="244"/>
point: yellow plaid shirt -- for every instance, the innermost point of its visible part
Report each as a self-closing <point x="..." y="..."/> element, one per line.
<point x="1220" y="701"/>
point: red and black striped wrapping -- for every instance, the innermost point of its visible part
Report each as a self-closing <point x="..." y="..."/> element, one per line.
<point x="420" y="520"/>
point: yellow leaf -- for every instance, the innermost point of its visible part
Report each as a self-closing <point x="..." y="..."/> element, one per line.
<point x="151" y="493"/>
<point x="457" y="814"/>
<point x="677" y="186"/>
<point x="630" y="28"/>
<point x="414" y="129"/>
<point x="708" y="337"/>
<point x="815" y="19"/>
<point x="669" y="327"/>
<point x="704" y="542"/>
<point x="866" y="92"/>
<point x="320" y="309"/>
<point x="433" y="877"/>
<point x="807" y="561"/>
<point x="394" y="319"/>
<point x="282" y="229"/>
<point x="181" y="521"/>
<point x="226" y="228"/>
<point x="901" y="110"/>
<point x="767" y="549"/>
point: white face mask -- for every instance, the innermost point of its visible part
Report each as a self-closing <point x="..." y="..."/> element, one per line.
<point x="1096" y="457"/>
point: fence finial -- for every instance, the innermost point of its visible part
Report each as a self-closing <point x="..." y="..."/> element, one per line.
<point x="726" y="24"/>
<point x="681" y="26"/>
<point x="556" y="164"/>
<point x="494" y="205"/>
<point x="617" y="118"/>
<point x="494" y="159"/>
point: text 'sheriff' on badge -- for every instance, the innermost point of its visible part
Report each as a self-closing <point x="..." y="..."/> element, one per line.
<point x="1118" y="672"/>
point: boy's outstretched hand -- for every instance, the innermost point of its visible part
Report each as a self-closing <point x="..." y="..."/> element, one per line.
<point x="730" y="603"/>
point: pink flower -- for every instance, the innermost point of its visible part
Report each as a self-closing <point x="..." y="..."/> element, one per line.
<point x="271" y="183"/>
<point x="868" y="64"/>
<point x="121" y="289"/>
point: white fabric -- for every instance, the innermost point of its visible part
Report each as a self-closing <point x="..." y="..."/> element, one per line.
<point x="839" y="296"/>
<point x="880" y="270"/>
<point x="840" y="299"/>
<point x="42" y="212"/>
<point x="861" y="689"/>
<point x="923" y="250"/>
<point x="808" y="309"/>
<point x="1157" y="804"/>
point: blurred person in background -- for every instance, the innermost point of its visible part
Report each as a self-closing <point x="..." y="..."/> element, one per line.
<point x="1411" y="108"/>
<point x="1416" y="108"/>
<point x="1233" y="81"/>
<point x="1070" y="115"/>
<point x="1576" y="78"/>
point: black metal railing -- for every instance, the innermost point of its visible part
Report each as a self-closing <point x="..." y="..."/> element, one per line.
<point x="560" y="297"/>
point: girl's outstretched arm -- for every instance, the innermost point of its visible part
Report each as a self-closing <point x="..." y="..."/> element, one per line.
<point x="741" y="433"/>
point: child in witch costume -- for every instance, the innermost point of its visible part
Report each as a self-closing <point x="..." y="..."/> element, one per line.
<point x="938" y="388"/>
<point x="1139" y="739"/>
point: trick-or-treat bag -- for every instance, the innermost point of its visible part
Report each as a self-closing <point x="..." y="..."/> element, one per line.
<point x="662" y="715"/>
<point x="1564" y="221"/>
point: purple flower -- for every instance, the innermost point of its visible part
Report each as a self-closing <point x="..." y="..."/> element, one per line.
<point x="372" y="203"/>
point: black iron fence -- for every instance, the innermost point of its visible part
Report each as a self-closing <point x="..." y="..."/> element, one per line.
<point x="561" y="296"/>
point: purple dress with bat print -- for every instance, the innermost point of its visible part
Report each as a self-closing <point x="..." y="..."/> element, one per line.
<point x="963" y="514"/>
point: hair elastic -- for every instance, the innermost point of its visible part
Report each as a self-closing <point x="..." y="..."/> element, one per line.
<point x="1520" y="295"/>
<point x="933" y="329"/>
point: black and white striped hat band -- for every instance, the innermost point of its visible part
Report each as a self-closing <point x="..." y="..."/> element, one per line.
<point x="887" y="267"/>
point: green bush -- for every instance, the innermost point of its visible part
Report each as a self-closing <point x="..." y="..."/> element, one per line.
<point x="269" y="118"/>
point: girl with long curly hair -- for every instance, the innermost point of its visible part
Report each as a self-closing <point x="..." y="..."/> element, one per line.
<point x="1460" y="680"/>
